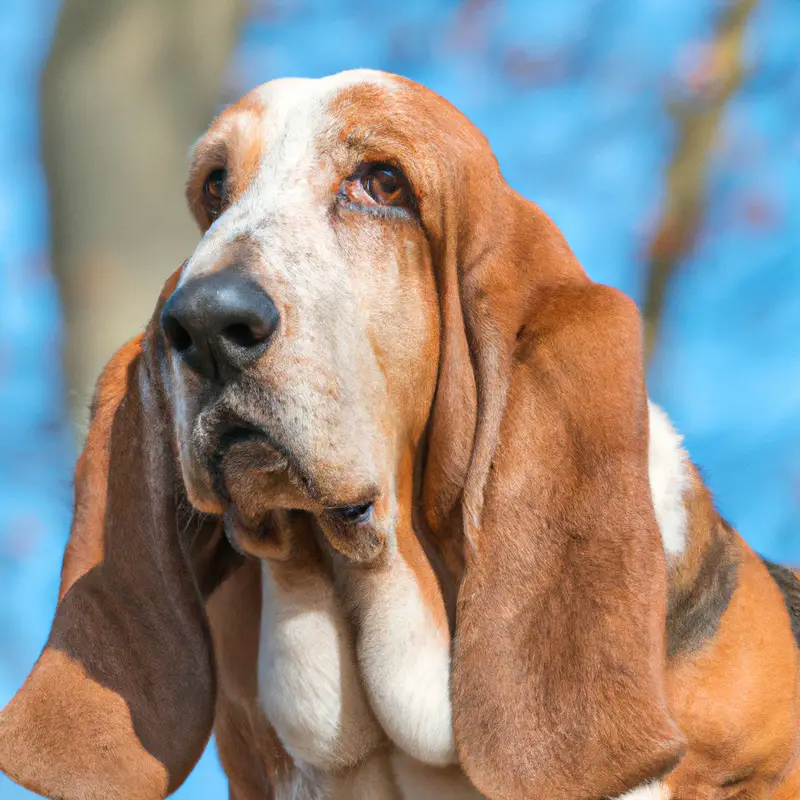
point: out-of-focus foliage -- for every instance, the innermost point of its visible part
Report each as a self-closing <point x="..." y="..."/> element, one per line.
<point x="578" y="100"/>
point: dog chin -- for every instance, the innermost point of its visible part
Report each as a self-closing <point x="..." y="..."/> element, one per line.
<point x="257" y="478"/>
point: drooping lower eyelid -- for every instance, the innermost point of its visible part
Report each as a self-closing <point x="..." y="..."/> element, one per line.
<point x="354" y="197"/>
<point x="375" y="210"/>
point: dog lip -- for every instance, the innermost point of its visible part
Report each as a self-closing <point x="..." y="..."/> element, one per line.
<point x="232" y="538"/>
<point x="235" y="433"/>
<point x="239" y="433"/>
<point x="230" y="432"/>
<point x="234" y="526"/>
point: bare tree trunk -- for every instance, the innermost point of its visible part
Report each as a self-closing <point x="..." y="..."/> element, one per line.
<point x="698" y="120"/>
<point x="128" y="87"/>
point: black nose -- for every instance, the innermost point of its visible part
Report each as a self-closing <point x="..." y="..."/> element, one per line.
<point x="219" y="323"/>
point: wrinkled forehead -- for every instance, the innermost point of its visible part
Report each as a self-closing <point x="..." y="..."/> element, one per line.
<point x="291" y="118"/>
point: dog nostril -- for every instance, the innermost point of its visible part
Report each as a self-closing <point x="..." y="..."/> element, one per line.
<point x="250" y="327"/>
<point x="177" y="335"/>
<point x="243" y="335"/>
<point x="219" y="324"/>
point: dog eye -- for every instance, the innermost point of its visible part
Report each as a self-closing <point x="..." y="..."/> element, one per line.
<point x="354" y="514"/>
<point x="375" y="184"/>
<point x="214" y="190"/>
<point x="384" y="185"/>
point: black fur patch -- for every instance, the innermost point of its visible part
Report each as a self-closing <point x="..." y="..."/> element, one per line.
<point x="694" y="612"/>
<point x="790" y="589"/>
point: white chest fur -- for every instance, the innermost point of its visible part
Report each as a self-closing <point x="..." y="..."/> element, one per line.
<point x="364" y="709"/>
<point x="309" y="686"/>
<point x="405" y="662"/>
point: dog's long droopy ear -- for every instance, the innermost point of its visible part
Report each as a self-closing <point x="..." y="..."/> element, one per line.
<point x="558" y="666"/>
<point x="120" y="703"/>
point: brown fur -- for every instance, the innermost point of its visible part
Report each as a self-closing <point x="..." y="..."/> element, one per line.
<point x="737" y="700"/>
<point x="564" y="579"/>
<point x="733" y="670"/>
<point x="413" y="552"/>
<point x="230" y="145"/>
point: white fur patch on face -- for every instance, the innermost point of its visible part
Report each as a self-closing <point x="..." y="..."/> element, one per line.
<point x="652" y="791"/>
<point x="308" y="680"/>
<point x="669" y="480"/>
<point x="405" y="663"/>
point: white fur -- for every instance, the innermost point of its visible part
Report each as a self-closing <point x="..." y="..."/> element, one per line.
<point x="669" y="480"/>
<point x="308" y="681"/>
<point x="652" y="791"/>
<point x="405" y="664"/>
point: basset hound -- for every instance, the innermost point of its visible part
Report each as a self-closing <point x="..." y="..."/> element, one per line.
<point x="379" y="497"/>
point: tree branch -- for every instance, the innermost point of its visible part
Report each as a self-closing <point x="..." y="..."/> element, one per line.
<point x="697" y="119"/>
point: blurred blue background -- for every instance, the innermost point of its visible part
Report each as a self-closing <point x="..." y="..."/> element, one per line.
<point x="578" y="100"/>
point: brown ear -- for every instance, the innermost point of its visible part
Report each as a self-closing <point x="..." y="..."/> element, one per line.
<point x="121" y="700"/>
<point x="558" y="665"/>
